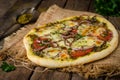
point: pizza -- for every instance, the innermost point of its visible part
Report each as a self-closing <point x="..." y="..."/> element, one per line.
<point x="71" y="41"/>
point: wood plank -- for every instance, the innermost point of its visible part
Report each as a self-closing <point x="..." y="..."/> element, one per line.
<point x="81" y="5"/>
<point x="60" y="76"/>
<point x="9" y="18"/>
<point x="45" y="4"/>
<point x="91" y="7"/>
<point x="100" y="78"/>
<point x="49" y="75"/>
<point x="77" y="77"/>
<point x="41" y="75"/>
<point x="1" y="44"/>
<point x="114" y="78"/>
<point x="14" y="28"/>
<point x="5" y="5"/>
<point x="18" y="74"/>
<point x="115" y="21"/>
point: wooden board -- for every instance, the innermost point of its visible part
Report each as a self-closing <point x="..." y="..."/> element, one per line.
<point x="11" y="15"/>
<point x="75" y="5"/>
<point x="50" y="13"/>
<point x="53" y="75"/>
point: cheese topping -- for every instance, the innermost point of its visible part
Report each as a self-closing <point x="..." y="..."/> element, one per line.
<point x="59" y="40"/>
<point x="86" y="42"/>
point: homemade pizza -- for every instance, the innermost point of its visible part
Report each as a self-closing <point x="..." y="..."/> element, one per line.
<point x="71" y="41"/>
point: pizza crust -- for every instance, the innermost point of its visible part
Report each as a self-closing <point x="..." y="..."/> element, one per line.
<point x="50" y="63"/>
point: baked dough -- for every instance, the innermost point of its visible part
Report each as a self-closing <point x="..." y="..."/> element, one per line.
<point x="57" y="55"/>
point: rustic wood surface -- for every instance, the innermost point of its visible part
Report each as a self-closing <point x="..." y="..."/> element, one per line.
<point x="9" y="9"/>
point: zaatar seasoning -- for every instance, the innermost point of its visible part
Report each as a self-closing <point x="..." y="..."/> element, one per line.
<point x="24" y="18"/>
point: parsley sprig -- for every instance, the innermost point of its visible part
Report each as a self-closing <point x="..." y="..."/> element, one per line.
<point x="7" y="67"/>
<point x="108" y="7"/>
<point x="78" y="36"/>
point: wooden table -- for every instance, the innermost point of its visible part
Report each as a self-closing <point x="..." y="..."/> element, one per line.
<point x="9" y="9"/>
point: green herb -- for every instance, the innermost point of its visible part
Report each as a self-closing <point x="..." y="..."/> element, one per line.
<point x="69" y="50"/>
<point x="50" y="24"/>
<point x="56" y="32"/>
<point x="76" y="18"/>
<point x="48" y="45"/>
<point x="7" y="67"/>
<point x="108" y="7"/>
<point x="93" y="19"/>
<point x="103" y="46"/>
<point x="41" y="44"/>
<point x="78" y="36"/>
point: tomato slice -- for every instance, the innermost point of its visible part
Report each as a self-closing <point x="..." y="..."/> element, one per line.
<point x="37" y="42"/>
<point x="79" y="53"/>
<point x="74" y="30"/>
<point x="38" y="48"/>
<point x="41" y="38"/>
<point x="107" y="37"/>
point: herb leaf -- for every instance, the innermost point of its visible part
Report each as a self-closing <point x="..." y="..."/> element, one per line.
<point x="7" y="67"/>
<point x="78" y="36"/>
<point x="69" y="50"/>
<point x="108" y="7"/>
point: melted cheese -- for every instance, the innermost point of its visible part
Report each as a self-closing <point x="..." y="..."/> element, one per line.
<point x="84" y="29"/>
<point x="63" y="44"/>
<point x="45" y="31"/>
<point x="51" y="52"/>
<point x="55" y="53"/>
<point x="86" y="42"/>
<point x="64" y="54"/>
<point x="55" y="36"/>
<point x="70" y="23"/>
<point x="100" y="31"/>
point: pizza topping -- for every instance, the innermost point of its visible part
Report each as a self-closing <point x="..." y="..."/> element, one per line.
<point x="99" y="48"/>
<point x="79" y="53"/>
<point x="51" y="52"/>
<point x="64" y="54"/>
<point x="36" y="45"/>
<point x="70" y="32"/>
<point x="55" y="36"/>
<point x="106" y="36"/>
<point x="41" y="43"/>
<point x="74" y="31"/>
<point x="78" y="36"/>
<point x="86" y="42"/>
<point x="70" y="23"/>
<point x="93" y="20"/>
<point x="71" y="38"/>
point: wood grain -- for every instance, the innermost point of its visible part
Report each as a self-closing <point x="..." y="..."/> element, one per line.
<point x="60" y="76"/>
<point x="91" y="7"/>
<point x="5" y="5"/>
<point x="25" y="74"/>
<point x="41" y="75"/>
<point x="45" y="4"/>
<point x="13" y="12"/>
<point x="77" y="77"/>
<point x="18" y="74"/>
<point x="81" y="5"/>
<point x="115" y="21"/>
